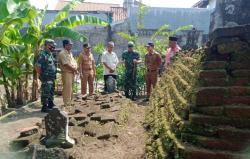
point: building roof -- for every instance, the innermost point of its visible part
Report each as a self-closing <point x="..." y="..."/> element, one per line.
<point x="87" y="6"/>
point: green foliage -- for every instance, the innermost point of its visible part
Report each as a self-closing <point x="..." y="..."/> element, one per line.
<point x="140" y="78"/>
<point x="17" y="51"/>
<point x="62" y="31"/>
<point x="120" y="77"/>
<point x="64" y="12"/>
<point x="170" y="106"/>
<point x="161" y="36"/>
<point x="77" y="20"/>
<point x="8" y="7"/>
<point x="140" y="15"/>
<point x="99" y="48"/>
<point x="128" y="37"/>
<point x="99" y="72"/>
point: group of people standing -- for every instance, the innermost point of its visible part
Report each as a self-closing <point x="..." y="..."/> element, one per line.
<point x="86" y="68"/>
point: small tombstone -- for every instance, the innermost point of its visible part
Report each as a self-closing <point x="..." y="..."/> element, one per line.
<point x="111" y="84"/>
<point x="56" y="125"/>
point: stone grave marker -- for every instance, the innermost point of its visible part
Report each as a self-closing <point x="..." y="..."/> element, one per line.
<point x="56" y="125"/>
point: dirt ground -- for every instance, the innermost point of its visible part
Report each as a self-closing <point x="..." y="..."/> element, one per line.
<point x="112" y="127"/>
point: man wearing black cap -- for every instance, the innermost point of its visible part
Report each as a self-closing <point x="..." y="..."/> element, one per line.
<point x="172" y="50"/>
<point x="131" y="58"/>
<point x="69" y="69"/>
<point x="152" y="63"/>
<point x="46" y="69"/>
<point x="87" y="70"/>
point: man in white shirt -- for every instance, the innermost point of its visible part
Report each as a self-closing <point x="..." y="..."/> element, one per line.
<point x="110" y="62"/>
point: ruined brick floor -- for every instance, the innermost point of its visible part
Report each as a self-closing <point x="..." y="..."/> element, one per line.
<point x="105" y="126"/>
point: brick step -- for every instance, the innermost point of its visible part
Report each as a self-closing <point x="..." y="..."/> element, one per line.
<point x="228" y="133"/>
<point x="221" y="144"/>
<point x="204" y="120"/>
<point x="217" y="96"/>
<point x="241" y="73"/>
<point x="245" y="65"/>
<point x="211" y="65"/>
<point x="232" y="111"/>
<point x="193" y="152"/>
<point x="221" y="82"/>
<point x="210" y="96"/>
<point x="221" y="132"/>
<point x="210" y="74"/>
<point x="213" y="82"/>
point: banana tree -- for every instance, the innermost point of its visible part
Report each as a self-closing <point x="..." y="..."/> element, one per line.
<point x="13" y="54"/>
<point x="61" y="26"/>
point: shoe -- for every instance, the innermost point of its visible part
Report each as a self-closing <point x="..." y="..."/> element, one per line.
<point x="45" y="110"/>
<point x="51" y="105"/>
<point x="84" y="97"/>
<point x="146" y="100"/>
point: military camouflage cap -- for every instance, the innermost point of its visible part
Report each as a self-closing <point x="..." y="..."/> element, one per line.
<point x="50" y="41"/>
<point x="131" y="44"/>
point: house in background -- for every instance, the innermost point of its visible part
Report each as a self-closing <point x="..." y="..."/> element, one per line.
<point x="124" y="19"/>
<point x="155" y="17"/>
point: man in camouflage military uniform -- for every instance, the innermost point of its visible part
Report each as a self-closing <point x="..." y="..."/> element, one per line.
<point x="46" y="68"/>
<point x="131" y="58"/>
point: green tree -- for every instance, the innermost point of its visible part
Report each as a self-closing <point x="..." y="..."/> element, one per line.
<point x="161" y="36"/>
<point x="17" y="50"/>
<point x="61" y="26"/>
<point x="141" y="14"/>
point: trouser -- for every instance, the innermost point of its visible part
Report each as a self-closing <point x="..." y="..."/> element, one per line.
<point x="130" y="86"/>
<point x="68" y="81"/>
<point x="151" y="80"/>
<point x="105" y="81"/>
<point x="88" y="78"/>
<point x="47" y="92"/>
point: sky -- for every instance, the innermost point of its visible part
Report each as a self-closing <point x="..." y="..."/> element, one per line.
<point x="152" y="3"/>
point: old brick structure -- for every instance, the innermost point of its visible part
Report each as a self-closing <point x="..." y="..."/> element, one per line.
<point x="201" y="107"/>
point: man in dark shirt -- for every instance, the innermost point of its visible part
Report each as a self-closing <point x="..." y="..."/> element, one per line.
<point x="46" y="68"/>
<point x="131" y="58"/>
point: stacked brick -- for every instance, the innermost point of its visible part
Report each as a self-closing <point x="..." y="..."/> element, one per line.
<point x="201" y="107"/>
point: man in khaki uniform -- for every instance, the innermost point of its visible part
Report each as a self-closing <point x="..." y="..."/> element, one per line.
<point x="87" y="70"/>
<point x="69" y="69"/>
<point x="152" y="62"/>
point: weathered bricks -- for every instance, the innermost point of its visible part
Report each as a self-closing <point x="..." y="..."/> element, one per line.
<point x="237" y="111"/>
<point x="214" y="111"/>
<point x="218" y="121"/>
<point x="210" y="65"/>
<point x="28" y="131"/>
<point x="214" y="82"/>
<point x="213" y="74"/>
<point x="242" y="81"/>
<point x="210" y="96"/>
<point x="238" y="91"/>
<point x="229" y="133"/>
<point x="237" y="100"/>
<point x="240" y="65"/>
<point x="241" y="73"/>
<point x="219" y="144"/>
